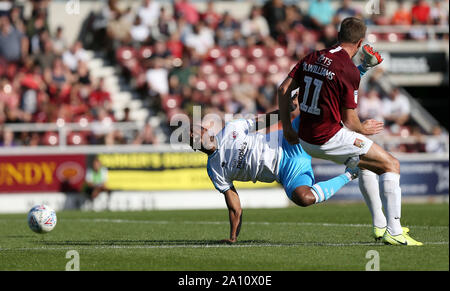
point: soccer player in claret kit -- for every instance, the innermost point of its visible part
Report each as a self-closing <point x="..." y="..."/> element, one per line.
<point x="329" y="127"/>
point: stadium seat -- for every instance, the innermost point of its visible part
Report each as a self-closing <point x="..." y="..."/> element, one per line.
<point x="145" y="52"/>
<point x="214" y="54"/>
<point x="50" y="139"/>
<point x="235" y="52"/>
<point x="256" y="52"/>
<point x="277" y="52"/>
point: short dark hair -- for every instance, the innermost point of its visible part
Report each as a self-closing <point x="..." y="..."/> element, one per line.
<point x="352" y="30"/>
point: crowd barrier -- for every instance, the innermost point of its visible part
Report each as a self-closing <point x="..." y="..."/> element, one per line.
<point x="149" y="177"/>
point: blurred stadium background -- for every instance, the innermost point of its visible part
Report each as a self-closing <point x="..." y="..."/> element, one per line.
<point x="86" y="79"/>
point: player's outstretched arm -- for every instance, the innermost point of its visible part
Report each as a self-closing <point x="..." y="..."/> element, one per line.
<point x="284" y="101"/>
<point x="369" y="127"/>
<point x="272" y="117"/>
<point x="235" y="214"/>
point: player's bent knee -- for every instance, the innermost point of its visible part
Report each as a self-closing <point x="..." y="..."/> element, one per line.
<point x="392" y="165"/>
<point x="302" y="196"/>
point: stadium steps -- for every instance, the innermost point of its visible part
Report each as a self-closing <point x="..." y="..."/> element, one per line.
<point x="123" y="96"/>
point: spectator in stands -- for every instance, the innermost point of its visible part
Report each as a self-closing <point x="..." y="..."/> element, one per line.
<point x="16" y="17"/>
<point x="437" y="142"/>
<point x="396" y="108"/>
<point x="246" y="94"/>
<point x="13" y="43"/>
<point x="370" y="106"/>
<point x="149" y="12"/>
<point x="59" y="42"/>
<point x="100" y="97"/>
<point x="275" y="13"/>
<point x="166" y="26"/>
<point x="346" y="10"/>
<point x="329" y="36"/>
<point x="175" y="45"/>
<point x="255" y="27"/>
<point x="7" y="138"/>
<point x="439" y="12"/>
<point x="157" y="77"/>
<point x="146" y="136"/>
<point x="185" y="9"/>
<point x="200" y="39"/>
<point x="402" y="16"/>
<point x="420" y="12"/>
<point x="321" y="12"/>
<point x="95" y="180"/>
<point x="74" y="55"/>
<point x="210" y="16"/>
<point x="227" y="30"/>
<point x="139" y="31"/>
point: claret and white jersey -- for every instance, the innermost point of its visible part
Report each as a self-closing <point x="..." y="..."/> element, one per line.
<point x="244" y="155"/>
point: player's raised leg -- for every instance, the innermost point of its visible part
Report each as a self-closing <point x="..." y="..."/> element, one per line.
<point x="388" y="167"/>
<point x="305" y="195"/>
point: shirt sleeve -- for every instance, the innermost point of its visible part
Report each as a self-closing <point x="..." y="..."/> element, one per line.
<point x="243" y="125"/>
<point x="295" y="72"/>
<point x="350" y="86"/>
<point x="218" y="179"/>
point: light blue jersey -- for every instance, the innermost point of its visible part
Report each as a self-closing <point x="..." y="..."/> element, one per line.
<point x="245" y="155"/>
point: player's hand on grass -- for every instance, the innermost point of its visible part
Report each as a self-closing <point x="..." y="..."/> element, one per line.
<point x="291" y="136"/>
<point x="372" y="126"/>
<point x="229" y="241"/>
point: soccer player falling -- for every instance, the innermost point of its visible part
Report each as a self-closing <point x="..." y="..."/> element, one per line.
<point x="329" y="82"/>
<point x="240" y="153"/>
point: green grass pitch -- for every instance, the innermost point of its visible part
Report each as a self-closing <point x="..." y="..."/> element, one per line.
<point x="322" y="237"/>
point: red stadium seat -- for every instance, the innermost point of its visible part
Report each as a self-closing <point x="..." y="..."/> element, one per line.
<point x="277" y="52"/>
<point x="273" y="68"/>
<point x="227" y="69"/>
<point x="215" y="53"/>
<point x="201" y="85"/>
<point x="223" y="85"/>
<point x="251" y="68"/>
<point x="171" y="102"/>
<point x="235" y="52"/>
<point x="76" y="138"/>
<point x="256" y="52"/>
<point x="125" y="53"/>
<point x="50" y="139"/>
<point x="145" y="52"/>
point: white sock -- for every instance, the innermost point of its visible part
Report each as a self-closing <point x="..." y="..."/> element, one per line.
<point x="368" y="184"/>
<point x="391" y="197"/>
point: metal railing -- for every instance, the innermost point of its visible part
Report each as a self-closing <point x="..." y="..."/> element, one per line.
<point x="386" y="141"/>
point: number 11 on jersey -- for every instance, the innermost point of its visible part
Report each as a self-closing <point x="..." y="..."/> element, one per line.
<point x="315" y="98"/>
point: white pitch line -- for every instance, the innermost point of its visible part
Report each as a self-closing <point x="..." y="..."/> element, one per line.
<point x="205" y="246"/>
<point x="245" y="222"/>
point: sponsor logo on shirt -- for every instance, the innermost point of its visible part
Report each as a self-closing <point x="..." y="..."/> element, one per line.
<point x="241" y="155"/>
<point x="359" y="143"/>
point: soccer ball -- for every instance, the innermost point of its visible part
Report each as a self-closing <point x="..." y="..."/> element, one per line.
<point x="41" y="219"/>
